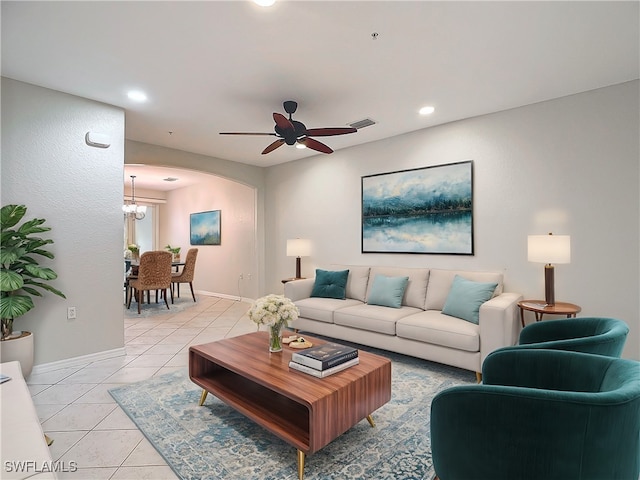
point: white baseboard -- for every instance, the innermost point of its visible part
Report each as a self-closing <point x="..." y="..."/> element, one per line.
<point x="78" y="361"/>
<point x="116" y="352"/>
<point x="224" y="295"/>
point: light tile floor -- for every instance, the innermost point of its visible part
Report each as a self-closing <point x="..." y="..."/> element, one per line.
<point x="87" y="425"/>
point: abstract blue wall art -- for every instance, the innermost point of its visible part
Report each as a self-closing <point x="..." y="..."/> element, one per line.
<point x="424" y="210"/>
<point x="205" y="228"/>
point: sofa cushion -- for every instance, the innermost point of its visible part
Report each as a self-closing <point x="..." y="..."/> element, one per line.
<point x="321" y="309"/>
<point x="415" y="292"/>
<point x="357" y="281"/>
<point x="330" y="284"/>
<point x="372" y="317"/>
<point x="387" y="291"/>
<point x="440" y="282"/>
<point x="465" y="298"/>
<point x="434" y="327"/>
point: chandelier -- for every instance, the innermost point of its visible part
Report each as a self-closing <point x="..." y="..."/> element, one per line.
<point x="132" y="210"/>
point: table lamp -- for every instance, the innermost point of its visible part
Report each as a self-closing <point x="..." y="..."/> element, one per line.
<point x="549" y="249"/>
<point x="298" y="247"/>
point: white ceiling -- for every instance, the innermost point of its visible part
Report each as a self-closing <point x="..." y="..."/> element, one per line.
<point x="216" y="66"/>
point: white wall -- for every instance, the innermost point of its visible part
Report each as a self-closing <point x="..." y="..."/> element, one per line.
<point x="570" y="166"/>
<point x="218" y="267"/>
<point x="47" y="166"/>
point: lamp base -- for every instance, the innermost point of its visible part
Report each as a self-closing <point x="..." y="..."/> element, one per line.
<point x="549" y="287"/>
<point x="298" y="274"/>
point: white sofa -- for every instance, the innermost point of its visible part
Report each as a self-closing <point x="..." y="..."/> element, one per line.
<point x="418" y="328"/>
<point x="24" y="450"/>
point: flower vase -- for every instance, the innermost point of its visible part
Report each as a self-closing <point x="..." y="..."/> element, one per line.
<point x="275" y="338"/>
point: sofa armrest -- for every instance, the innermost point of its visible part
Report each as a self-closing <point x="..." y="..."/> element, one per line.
<point x="298" y="289"/>
<point x="499" y="324"/>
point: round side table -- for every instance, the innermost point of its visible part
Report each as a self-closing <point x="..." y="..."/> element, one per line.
<point x="540" y="307"/>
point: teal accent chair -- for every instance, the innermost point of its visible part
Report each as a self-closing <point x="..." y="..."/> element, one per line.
<point x="541" y="414"/>
<point x="602" y="336"/>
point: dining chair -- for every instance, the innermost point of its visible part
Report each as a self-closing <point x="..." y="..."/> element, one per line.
<point x="154" y="273"/>
<point x="186" y="275"/>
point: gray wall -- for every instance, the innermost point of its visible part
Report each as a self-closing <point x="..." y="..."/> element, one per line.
<point x="568" y="166"/>
<point x="78" y="189"/>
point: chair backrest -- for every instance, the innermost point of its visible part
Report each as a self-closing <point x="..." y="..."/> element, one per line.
<point x="155" y="270"/>
<point x="601" y="336"/>
<point x="189" y="266"/>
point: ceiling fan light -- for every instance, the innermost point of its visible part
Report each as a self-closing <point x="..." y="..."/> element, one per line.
<point x="301" y="145"/>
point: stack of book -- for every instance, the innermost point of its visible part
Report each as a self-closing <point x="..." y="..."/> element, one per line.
<point x="325" y="359"/>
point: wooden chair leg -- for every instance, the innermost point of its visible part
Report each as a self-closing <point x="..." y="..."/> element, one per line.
<point x="129" y="295"/>
<point x="192" y="292"/>
<point x="171" y="290"/>
<point x="140" y="299"/>
<point x="166" y="302"/>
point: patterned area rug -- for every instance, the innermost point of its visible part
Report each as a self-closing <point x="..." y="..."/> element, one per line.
<point x="216" y="442"/>
<point x="153" y="309"/>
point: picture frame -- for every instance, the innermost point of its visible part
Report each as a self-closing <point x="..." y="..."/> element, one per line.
<point x="204" y="228"/>
<point x="427" y="210"/>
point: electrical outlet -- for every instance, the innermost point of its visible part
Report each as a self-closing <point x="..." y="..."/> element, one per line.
<point x="71" y="313"/>
<point x="241" y="277"/>
<point x="248" y="276"/>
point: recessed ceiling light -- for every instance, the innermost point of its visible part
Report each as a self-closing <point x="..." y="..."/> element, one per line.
<point x="264" y="3"/>
<point x="137" y="96"/>
<point x="170" y="179"/>
<point x="428" y="110"/>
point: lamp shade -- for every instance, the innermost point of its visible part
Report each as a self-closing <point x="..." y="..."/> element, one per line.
<point x="549" y="248"/>
<point x="298" y="247"/>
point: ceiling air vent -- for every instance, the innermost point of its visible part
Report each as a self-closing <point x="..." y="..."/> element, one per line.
<point x="367" y="122"/>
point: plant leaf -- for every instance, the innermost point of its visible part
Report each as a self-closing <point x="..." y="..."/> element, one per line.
<point x="10" y="281"/>
<point x="10" y="215"/>
<point x="13" y="306"/>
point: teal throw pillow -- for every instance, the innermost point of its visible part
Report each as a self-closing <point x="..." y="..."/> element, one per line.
<point x="330" y="284"/>
<point x="465" y="298"/>
<point x="387" y="291"/>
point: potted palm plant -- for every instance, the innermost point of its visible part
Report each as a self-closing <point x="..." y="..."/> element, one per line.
<point x="21" y="277"/>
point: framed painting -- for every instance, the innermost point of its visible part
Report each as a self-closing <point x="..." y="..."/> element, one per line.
<point x="424" y="210"/>
<point x="205" y="228"/>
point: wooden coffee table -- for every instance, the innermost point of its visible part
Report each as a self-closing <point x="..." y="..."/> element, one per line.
<point x="304" y="411"/>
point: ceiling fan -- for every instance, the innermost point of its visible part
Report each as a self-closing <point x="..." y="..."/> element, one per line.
<point x="291" y="131"/>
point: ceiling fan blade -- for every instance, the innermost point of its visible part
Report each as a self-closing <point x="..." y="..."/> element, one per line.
<point x="327" y="132"/>
<point x="273" y="146"/>
<point x="282" y="121"/>
<point x="247" y="133"/>
<point x="316" y="145"/>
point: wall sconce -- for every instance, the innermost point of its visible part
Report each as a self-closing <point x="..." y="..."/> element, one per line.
<point x="549" y="249"/>
<point x="298" y="247"/>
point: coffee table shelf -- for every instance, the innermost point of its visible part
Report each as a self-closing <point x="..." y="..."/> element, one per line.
<point x="280" y="415"/>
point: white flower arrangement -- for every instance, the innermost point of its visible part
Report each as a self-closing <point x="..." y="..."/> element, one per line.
<point x="273" y="310"/>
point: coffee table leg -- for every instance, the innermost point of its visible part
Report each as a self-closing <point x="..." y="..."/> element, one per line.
<point x="370" y="420"/>
<point x="300" y="464"/>
<point x="203" y="397"/>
